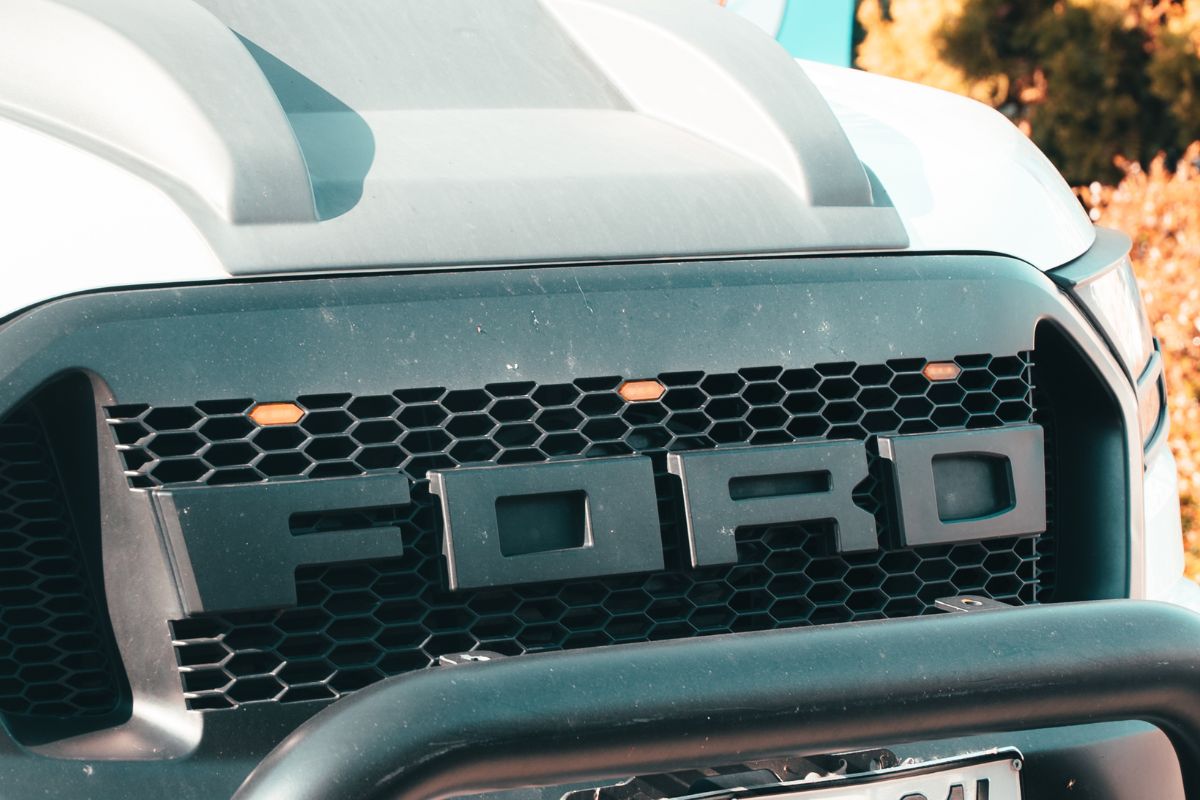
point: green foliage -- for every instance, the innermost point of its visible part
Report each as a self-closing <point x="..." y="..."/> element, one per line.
<point x="1089" y="80"/>
<point x="1175" y="76"/>
<point x="994" y="36"/>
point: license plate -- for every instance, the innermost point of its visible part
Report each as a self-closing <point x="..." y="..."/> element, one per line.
<point x="987" y="776"/>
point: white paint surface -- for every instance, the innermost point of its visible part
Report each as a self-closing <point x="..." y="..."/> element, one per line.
<point x="961" y="175"/>
<point x="71" y="221"/>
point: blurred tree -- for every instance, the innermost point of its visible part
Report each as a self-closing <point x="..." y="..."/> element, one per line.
<point x="1175" y="66"/>
<point x="902" y="38"/>
<point x="1087" y="79"/>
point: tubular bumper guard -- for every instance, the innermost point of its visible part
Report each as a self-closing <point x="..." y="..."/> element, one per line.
<point x="618" y="711"/>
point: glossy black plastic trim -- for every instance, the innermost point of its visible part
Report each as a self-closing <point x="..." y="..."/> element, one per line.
<point x="364" y="334"/>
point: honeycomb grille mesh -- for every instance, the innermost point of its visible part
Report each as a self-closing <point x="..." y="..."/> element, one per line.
<point x="55" y="656"/>
<point x="419" y="430"/>
<point x="357" y="623"/>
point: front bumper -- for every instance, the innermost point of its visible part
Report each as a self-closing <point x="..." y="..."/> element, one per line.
<point x="559" y="718"/>
<point x="1044" y="679"/>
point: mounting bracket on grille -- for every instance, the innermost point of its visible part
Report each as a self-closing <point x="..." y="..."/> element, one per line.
<point x="233" y="547"/>
<point x="968" y="604"/>
<point x="472" y="657"/>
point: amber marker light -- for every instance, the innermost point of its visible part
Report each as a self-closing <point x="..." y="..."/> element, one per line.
<point x="266" y="414"/>
<point x="941" y="371"/>
<point x="641" y="391"/>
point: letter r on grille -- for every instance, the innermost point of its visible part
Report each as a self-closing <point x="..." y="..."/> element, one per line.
<point x="727" y="488"/>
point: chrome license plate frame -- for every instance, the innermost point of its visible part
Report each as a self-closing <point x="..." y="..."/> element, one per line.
<point x="991" y="775"/>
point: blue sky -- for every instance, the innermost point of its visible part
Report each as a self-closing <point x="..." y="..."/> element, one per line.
<point x="818" y="29"/>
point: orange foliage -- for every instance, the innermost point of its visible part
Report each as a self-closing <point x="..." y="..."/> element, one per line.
<point x="1160" y="209"/>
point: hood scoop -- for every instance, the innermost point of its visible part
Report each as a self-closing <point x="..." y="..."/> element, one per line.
<point x="390" y="133"/>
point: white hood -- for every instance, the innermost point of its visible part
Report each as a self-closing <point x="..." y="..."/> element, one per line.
<point x="646" y="131"/>
<point x="963" y="178"/>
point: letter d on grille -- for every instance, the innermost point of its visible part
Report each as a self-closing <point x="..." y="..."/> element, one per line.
<point x="968" y="485"/>
<point x="554" y="521"/>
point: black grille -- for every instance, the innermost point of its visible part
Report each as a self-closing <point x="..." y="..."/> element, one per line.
<point x="418" y="430"/>
<point x="56" y="656"/>
<point x="357" y="623"/>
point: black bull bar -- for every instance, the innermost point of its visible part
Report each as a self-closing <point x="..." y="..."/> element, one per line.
<point x="618" y="711"/>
